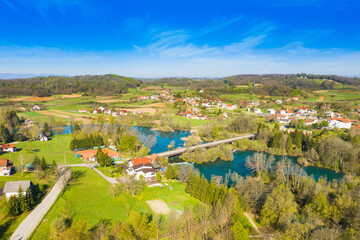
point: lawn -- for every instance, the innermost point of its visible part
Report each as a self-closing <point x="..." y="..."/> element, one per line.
<point x="55" y="149"/>
<point x="89" y="199"/>
<point x="183" y="120"/>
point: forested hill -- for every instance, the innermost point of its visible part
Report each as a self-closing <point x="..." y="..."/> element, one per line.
<point x="52" y="85"/>
<point x="295" y="80"/>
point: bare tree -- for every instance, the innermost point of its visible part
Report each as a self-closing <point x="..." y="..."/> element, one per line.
<point x="258" y="162"/>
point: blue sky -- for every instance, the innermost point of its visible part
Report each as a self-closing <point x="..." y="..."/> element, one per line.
<point x="153" y="38"/>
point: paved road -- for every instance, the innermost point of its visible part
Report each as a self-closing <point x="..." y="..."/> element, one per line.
<point x="205" y="145"/>
<point x="29" y="224"/>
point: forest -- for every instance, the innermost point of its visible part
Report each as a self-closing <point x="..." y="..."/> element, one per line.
<point x="52" y="85"/>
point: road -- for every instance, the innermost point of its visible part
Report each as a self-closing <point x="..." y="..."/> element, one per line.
<point x="205" y="145"/>
<point x="92" y="166"/>
<point x="29" y="224"/>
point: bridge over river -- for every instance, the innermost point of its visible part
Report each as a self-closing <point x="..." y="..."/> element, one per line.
<point x="205" y="145"/>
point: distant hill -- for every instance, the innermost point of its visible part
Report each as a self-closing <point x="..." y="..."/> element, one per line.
<point x="52" y="85"/>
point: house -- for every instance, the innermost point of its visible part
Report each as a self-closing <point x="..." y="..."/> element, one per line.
<point x="43" y="137"/>
<point x="90" y="154"/>
<point x="5" y="167"/>
<point x="282" y="118"/>
<point x="339" y="123"/>
<point x="147" y="172"/>
<point x="230" y="107"/>
<point x="36" y="108"/>
<point x="82" y="111"/>
<point x="7" y="148"/>
<point x="123" y="113"/>
<point x="12" y="188"/>
<point x="155" y="97"/>
<point x="115" y="114"/>
<point x="257" y="111"/>
<point x="102" y="109"/>
<point x="281" y="111"/>
<point x="289" y="112"/>
<point x="329" y="114"/>
<point x="278" y="102"/>
<point x="22" y="109"/>
<point x="271" y="111"/>
<point x="137" y="161"/>
<point x="107" y="111"/>
<point x="96" y="111"/>
<point x="143" y="97"/>
<point x="295" y="98"/>
<point x="310" y="121"/>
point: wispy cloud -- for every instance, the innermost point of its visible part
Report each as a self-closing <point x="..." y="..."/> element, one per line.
<point x="218" y="25"/>
<point x="9" y="4"/>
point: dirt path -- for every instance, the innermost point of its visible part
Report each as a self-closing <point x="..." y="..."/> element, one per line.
<point x="113" y="100"/>
<point x="253" y="224"/>
<point x="320" y="99"/>
<point x="71" y="96"/>
<point x="50" y="113"/>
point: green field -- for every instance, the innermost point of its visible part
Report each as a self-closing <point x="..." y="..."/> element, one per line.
<point x="55" y="149"/>
<point x="89" y="199"/>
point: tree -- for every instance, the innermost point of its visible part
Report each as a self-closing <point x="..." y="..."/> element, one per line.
<point x="43" y="164"/>
<point x="102" y="158"/>
<point x="36" y="163"/>
<point x="5" y="135"/>
<point x="279" y="207"/>
<point x="47" y="129"/>
<point x="258" y="162"/>
<point x="112" y="120"/>
<point x="158" y="176"/>
<point x="76" y="128"/>
<point x="12" y="206"/>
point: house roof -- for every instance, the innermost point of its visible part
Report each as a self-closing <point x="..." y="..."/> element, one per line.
<point x="10" y="145"/>
<point x="146" y="170"/>
<point x="153" y="157"/>
<point x="310" y="120"/>
<point x="281" y="115"/>
<point x="143" y="160"/>
<point x="289" y="111"/>
<point x="11" y="187"/>
<point x="6" y="163"/>
<point x="341" y="120"/>
<point x="90" y="153"/>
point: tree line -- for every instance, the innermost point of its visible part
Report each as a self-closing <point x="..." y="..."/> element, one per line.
<point x="52" y="85"/>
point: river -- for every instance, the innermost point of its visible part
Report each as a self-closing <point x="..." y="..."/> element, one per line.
<point x="218" y="167"/>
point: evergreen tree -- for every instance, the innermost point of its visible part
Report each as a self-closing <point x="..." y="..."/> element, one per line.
<point x="289" y="144"/>
<point x="76" y="128"/>
<point x="211" y="192"/>
<point x="12" y="206"/>
<point x="23" y="202"/>
<point x="47" y="129"/>
<point x="5" y="135"/>
<point x="53" y="167"/>
<point x="169" y="172"/>
<point x="43" y="164"/>
<point x="189" y="184"/>
<point x="196" y="186"/>
<point x="36" y="163"/>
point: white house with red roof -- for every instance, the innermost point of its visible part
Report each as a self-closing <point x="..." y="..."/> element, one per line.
<point x="82" y="110"/>
<point x="339" y="123"/>
<point x="7" y="147"/>
<point x="5" y="167"/>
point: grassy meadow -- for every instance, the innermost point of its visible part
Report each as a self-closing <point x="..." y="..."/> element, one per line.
<point x="89" y="199"/>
